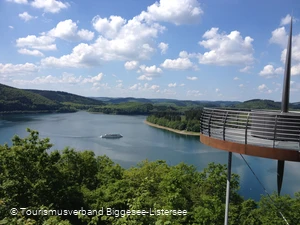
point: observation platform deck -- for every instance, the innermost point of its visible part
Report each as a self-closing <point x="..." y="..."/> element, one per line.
<point x="267" y="134"/>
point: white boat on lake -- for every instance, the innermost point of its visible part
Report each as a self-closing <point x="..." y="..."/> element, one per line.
<point x="111" y="136"/>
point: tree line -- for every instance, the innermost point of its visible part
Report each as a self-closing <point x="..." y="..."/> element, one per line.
<point x="189" y="120"/>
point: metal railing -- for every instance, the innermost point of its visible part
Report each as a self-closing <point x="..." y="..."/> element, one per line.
<point x="263" y="128"/>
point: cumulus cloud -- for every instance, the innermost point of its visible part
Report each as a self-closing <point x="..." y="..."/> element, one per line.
<point x="40" y="43"/>
<point x="49" y="6"/>
<point x="25" y="51"/>
<point x="144" y="77"/>
<point x="131" y="41"/>
<point x="269" y="71"/>
<point x="175" y="11"/>
<point x="241" y="85"/>
<point x="181" y="63"/>
<point x="17" y="69"/>
<point x="109" y="28"/>
<point x="18" y="1"/>
<point x="131" y="65"/>
<point x="245" y="69"/>
<point x="192" y="78"/>
<point x="262" y="87"/>
<point x="149" y="72"/>
<point x="172" y="85"/>
<point x="150" y="69"/>
<point x="11" y="27"/>
<point x="226" y="49"/>
<point x="26" y="16"/>
<point x="279" y="36"/>
<point x="145" y="87"/>
<point x="163" y="47"/>
<point x="68" y="30"/>
<point x="236" y="78"/>
<point x="286" y="20"/>
<point x="194" y="93"/>
<point x="65" y="78"/>
<point x="94" y="79"/>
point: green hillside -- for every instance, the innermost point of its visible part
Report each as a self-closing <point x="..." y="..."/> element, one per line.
<point x="64" y="97"/>
<point x="14" y="99"/>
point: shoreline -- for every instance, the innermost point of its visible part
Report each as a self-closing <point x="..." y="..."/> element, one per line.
<point x="182" y="132"/>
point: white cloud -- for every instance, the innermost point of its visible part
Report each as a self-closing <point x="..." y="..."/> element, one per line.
<point x="99" y="86"/>
<point x="35" y="52"/>
<point x="194" y="93"/>
<point x="94" y="79"/>
<point x="109" y="28"/>
<point x="262" y="87"/>
<point x="150" y="69"/>
<point x="177" y="64"/>
<point x="26" y="16"/>
<point x="119" y="85"/>
<point x="279" y="36"/>
<point x="175" y="11"/>
<point x="245" y="69"/>
<point x="66" y="78"/>
<point x="236" y="78"/>
<point x="18" y="1"/>
<point x="295" y="70"/>
<point x="133" y="41"/>
<point x="269" y="71"/>
<point x="181" y="85"/>
<point x="163" y="47"/>
<point x="181" y="63"/>
<point x="131" y="65"/>
<point x="154" y="87"/>
<point x="226" y="49"/>
<point x="168" y="92"/>
<point x="11" y="27"/>
<point x="134" y="87"/>
<point x="68" y="30"/>
<point x="172" y="85"/>
<point x="41" y="42"/>
<point x="119" y="81"/>
<point x="217" y="90"/>
<point x="241" y="85"/>
<point x="192" y="78"/>
<point x="286" y="20"/>
<point x="145" y="87"/>
<point x="144" y="77"/>
<point x="17" y="69"/>
<point x="49" y="6"/>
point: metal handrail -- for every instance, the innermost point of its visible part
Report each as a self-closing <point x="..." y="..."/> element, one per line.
<point x="268" y="128"/>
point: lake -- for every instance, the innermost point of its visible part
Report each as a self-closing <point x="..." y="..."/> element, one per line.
<point x="81" y="130"/>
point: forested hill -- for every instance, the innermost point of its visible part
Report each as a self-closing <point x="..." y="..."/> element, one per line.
<point x="63" y="97"/>
<point x="264" y="104"/>
<point x="18" y="100"/>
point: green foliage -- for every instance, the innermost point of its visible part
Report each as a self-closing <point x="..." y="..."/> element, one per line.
<point x="189" y="122"/>
<point x="130" y="108"/>
<point x="70" y="180"/>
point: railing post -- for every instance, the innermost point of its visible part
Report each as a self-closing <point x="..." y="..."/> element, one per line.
<point x="275" y="130"/>
<point x="224" y="125"/>
<point x="209" y="121"/>
<point x="246" y="129"/>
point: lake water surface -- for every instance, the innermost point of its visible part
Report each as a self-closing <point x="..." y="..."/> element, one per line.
<point x="81" y="131"/>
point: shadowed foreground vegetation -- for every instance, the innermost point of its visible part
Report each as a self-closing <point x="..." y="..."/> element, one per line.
<point x="33" y="178"/>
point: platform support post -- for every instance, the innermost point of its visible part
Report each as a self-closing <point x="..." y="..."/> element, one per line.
<point x="228" y="188"/>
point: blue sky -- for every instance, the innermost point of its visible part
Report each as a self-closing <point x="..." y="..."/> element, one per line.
<point x="180" y="49"/>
